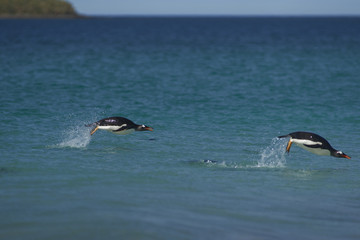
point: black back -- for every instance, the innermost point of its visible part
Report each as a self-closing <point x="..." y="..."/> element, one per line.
<point x="116" y="121"/>
<point x="313" y="137"/>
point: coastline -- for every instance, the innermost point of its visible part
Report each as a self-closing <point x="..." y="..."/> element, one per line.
<point x="46" y="16"/>
<point x="19" y="9"/>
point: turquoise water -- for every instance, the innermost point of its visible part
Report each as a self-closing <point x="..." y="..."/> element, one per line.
<point x="218" y="89"/>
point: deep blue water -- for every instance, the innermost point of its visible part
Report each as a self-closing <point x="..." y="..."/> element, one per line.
<point x="218" y="89"/>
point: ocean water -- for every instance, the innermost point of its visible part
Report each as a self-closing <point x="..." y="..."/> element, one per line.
<point x="217" y="91"/>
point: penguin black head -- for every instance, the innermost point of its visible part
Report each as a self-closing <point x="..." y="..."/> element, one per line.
<point x="340" y="154"/>
<point x="144" y="128"/>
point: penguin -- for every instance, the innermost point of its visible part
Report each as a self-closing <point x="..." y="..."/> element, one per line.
<point x="313" y="143"/>
<point x="117" y="125"/>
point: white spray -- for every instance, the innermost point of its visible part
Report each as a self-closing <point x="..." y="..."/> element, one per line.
<point x="273" y="155"/>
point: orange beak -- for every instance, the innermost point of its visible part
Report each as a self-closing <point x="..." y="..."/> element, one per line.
<point x="149" y="128"/>
<point x="345" y="156"/>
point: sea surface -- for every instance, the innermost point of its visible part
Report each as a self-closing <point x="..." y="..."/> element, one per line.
<point x="217" y="91"/>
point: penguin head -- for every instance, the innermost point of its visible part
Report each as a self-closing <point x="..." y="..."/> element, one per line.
<point x="144" y="128"/>
<point x="340" y="154"/>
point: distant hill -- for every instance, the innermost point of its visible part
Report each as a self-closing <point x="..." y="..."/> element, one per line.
<point x="36" y="8"/>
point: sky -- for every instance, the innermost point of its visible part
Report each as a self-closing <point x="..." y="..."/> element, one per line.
<point x="217" y="7"/>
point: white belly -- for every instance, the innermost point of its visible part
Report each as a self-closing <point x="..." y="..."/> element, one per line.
<point x="115" y="128"/>
<point x="124" y="132"/>
<point x="318" y="151"/>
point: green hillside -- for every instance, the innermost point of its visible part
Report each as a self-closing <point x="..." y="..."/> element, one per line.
<point x="36" y="8"/>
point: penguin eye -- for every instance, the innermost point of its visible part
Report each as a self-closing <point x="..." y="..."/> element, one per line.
<point x="143" y="126"/>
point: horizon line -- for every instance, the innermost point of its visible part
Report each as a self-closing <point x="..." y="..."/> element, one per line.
<point x="224" y="15"/>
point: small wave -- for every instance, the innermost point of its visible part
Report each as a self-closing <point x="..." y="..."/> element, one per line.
<point x="273" y="156"/>
<point x="221" y="164"/>
<point x="75" y="137"/>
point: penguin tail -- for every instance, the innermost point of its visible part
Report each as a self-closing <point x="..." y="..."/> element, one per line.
<point x="284" y="136"/>
<point x="94" y="124"/>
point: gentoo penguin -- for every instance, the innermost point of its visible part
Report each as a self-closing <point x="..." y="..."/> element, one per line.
<point x="117" y="125"/>
<point x="313" y="143"/>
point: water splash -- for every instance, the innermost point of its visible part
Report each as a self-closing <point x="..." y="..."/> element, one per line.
<point x="273" y="156"/>
<point x="75" y="137"/>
